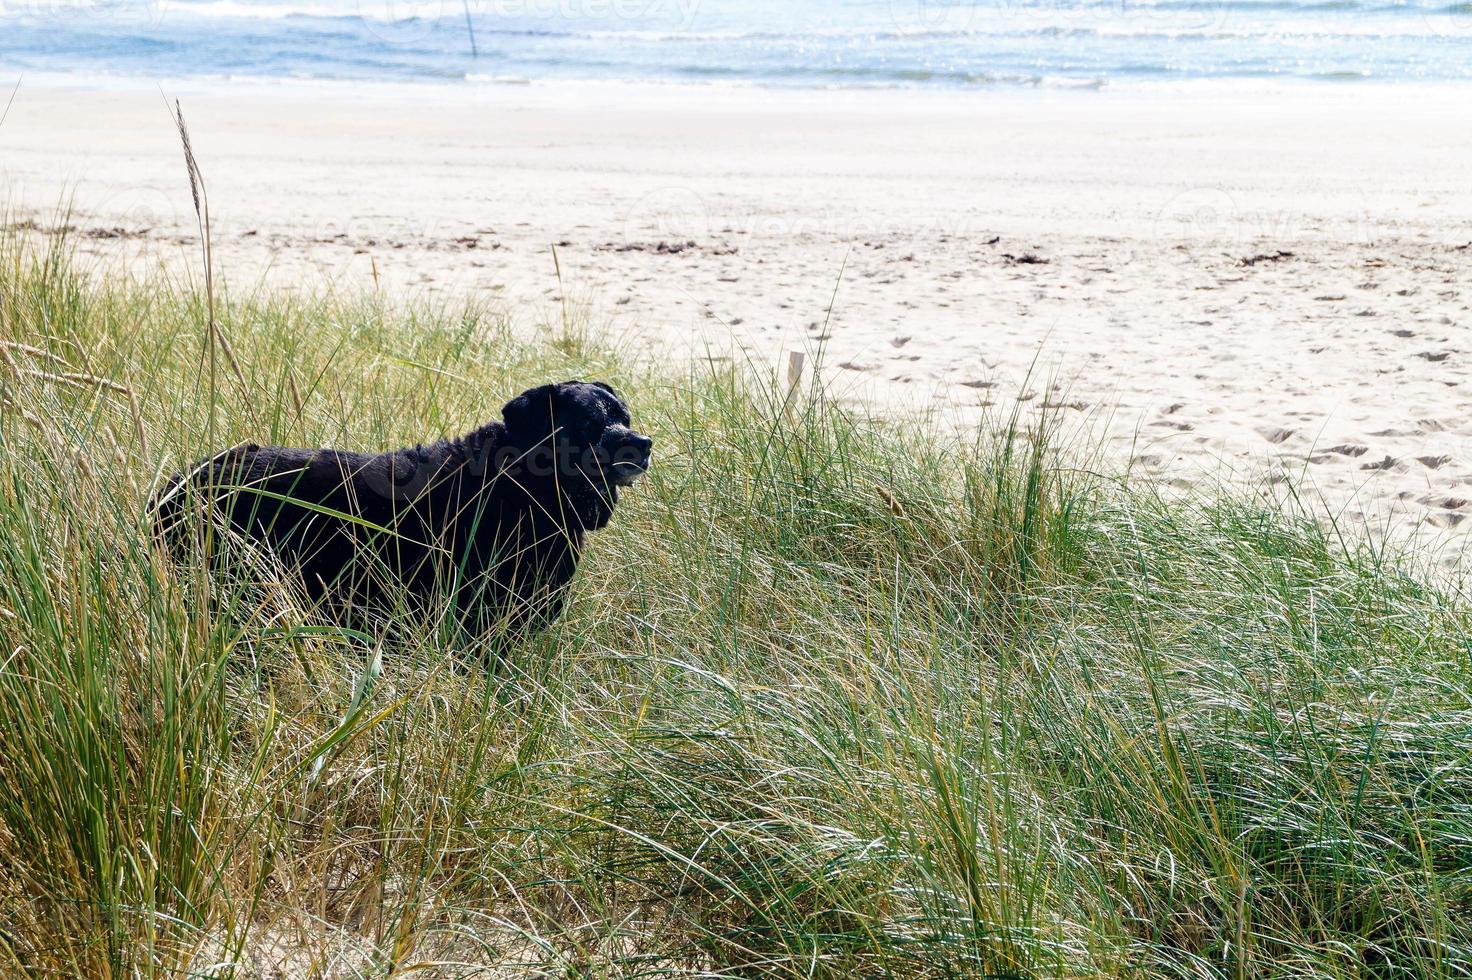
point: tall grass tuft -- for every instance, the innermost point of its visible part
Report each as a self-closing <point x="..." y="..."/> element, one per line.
<point x="834" y="696"/>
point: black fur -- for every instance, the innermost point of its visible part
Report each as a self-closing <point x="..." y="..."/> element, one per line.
<point x="495" y="518"/>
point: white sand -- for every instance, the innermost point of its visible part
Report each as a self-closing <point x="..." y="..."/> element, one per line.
<point x="1344" y="365"/>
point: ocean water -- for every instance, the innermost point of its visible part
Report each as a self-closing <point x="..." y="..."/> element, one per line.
<point x="817" y="43"/>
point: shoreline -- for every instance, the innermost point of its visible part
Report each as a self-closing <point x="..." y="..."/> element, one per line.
<point x="1133" y="238"/>
<point x="1329" y="88"/>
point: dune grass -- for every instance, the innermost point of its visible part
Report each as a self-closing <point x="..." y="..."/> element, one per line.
<point x="832" y="697"/>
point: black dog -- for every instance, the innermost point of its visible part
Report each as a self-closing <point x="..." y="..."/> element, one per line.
<point x="494" y="519"/>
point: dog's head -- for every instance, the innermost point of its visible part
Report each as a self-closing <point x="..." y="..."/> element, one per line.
<point x="578" y="433"/>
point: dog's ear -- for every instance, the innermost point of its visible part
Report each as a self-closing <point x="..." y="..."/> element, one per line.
<point x="609" y="388"/>
<point x="529" y="414"/>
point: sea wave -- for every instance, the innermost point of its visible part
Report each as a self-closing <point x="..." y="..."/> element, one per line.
<point x="400" y="11"/>
<point x="818" y="43"/>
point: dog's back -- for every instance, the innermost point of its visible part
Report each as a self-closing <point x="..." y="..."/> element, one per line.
<point x="494" y="519"/>
<point x="372" y="531"/>
<point x="324" y="510"/>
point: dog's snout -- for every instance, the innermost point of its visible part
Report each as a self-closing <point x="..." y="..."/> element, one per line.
<point x="625" y="453"/>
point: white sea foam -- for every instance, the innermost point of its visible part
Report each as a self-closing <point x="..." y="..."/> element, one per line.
<point x="816" y="43"/>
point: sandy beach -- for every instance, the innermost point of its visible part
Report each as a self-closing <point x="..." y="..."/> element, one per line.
<point x="1221" y="284"/>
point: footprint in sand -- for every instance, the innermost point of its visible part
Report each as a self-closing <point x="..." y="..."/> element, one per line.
<point x="1388" y="463"/>
<point x="1445" y="520"/>
<point x="1349" y="449"/>
<point x="1433" y="462"/>
<point x="1276" y="436"/>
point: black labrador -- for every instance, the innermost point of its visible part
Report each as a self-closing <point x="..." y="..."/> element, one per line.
<point x="495" y="519"/>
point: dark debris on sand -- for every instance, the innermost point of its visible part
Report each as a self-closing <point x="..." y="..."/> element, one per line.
<point x="1277" y="256"/>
